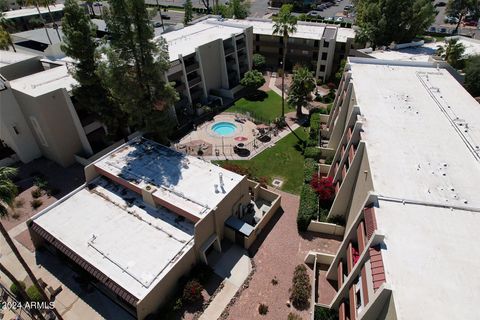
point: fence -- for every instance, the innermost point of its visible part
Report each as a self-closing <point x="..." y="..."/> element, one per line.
<point x="6" y="311"/>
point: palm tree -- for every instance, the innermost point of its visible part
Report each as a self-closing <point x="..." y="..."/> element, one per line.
<point x="47" y="4"/>
<point x="5" y="38"/>
<point x="303" y="83"/>
<point x="8" y="192"/>
<point x="35" y="3"/>
<point x="284" y="25"/>
<point x="452" y="52"/>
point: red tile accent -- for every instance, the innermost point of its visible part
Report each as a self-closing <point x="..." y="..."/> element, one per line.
<point x="341" y="311"/>
<point x="340" y="274"/>
<point x="370" y="221"/>
<point x="337" y="187"/>
<point x="361" y="237"/>
<point x="377" y="267"/>
<point x="351" y="154"/>
<point x="353" y="304"/>
<point x="349" y="134"/>
<point x="349" y="258"/>
<point x="344" y="172"/>
<point x="364" y="286"/>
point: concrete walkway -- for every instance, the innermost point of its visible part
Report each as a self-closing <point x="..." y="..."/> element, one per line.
<point x="234" y="266"/>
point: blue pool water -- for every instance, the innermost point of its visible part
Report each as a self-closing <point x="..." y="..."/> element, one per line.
<point x="224" y="128"/>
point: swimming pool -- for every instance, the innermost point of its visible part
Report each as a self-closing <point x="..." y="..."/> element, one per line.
<point x="224" y="128"/>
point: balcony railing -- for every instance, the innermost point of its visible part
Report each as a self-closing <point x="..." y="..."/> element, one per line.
<point x="229" y="50"/>
<point x="191" y="67"/>
<point x="194" y="81"/>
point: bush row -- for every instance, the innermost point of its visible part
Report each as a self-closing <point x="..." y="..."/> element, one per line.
<point x="309" y="169"/>
<point x="301" y="287"/>
<point x="312" y="152"/>
<point x="308" y="207"/>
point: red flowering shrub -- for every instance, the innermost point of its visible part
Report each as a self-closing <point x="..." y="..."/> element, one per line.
<point x="324" y="188"/>
<point x="192" y="292"/>
<point x="331" y="85"/>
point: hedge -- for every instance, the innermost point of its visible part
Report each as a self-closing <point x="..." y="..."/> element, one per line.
<point x="16" y="291"/>
<point x="310" y="167"/>
<point x="308" y="207"/>
<point x="301" y="287"/>
<point x="312" y="152"/>
<point x="33" y="294"/>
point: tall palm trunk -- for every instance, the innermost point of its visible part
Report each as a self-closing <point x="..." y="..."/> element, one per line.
<point x="23" y="294"/>
<point x="43" y="22"/>
<point x="10" y="41"/>
<point x="54" y="24"/>
<point x="17" y="254"/>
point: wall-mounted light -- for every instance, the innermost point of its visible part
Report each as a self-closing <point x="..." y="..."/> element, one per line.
<point x="15" y="129"/>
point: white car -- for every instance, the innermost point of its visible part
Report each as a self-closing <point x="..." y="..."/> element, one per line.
<point x="339" y="19"/>
<point x="329" y="19"/>
<point x="314" y="14"/>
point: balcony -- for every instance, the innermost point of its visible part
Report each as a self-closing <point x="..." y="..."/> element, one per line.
<point x="179" y="86"/>
<point x="229" y="50"/>
<point x="191" y="67"/>
<point x="240" y="45"/>
<point x="196" y="95"/>
<point x="193" y="81"/>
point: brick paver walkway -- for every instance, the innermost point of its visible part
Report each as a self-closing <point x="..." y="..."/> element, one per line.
<point x="282" y="249"/>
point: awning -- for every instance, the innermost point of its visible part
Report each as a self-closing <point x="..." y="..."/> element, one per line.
<point x="239" y="225"/>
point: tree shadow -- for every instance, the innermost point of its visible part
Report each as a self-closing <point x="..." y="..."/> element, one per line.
<point x="257" y="95"/>
<point x="310" y="235"/>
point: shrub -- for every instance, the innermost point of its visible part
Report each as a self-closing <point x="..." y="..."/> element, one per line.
<point x="274" y="281"/>
<point x="33" y="294"/>
<point x="192" y="292"/>
<point x="36" y="193"/>
<point x="308" y="207"/>
<point x="19" y="203"/>
<point x="244" y="171"/>
<point x="301" y="287"/>
<point x="337" y="220"/>
<point x="331" y="85"/>
<point x="324" y="187"/>
<point x="263" y="309"/>
<point x="294" y="316"/>
<point x="15" y="290"/>
<point x="312" y="152"/>
<point x="201" y="272"/>
<point x="263" y="181"/>
<point x="329" y="159"/>
<point x="178" y="305"/>
<point x="322" y="313"/>
<point x="36" y="203"/>
<point x="40" y="182"/>
<point x="309" y="169"/>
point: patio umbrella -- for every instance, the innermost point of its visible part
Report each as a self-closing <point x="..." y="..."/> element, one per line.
<point x="241" y="138"/>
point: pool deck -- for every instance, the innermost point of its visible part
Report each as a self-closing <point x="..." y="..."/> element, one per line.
<point x="216" y="147"/>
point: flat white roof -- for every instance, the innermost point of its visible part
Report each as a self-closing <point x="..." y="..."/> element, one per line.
<point x="39" y="35"/>
<point x="343" y="34"/>
<point x="186" y="182"/>
<point x="110" y="227"/>
<point x="431" y="260"/>
<point x="184" y="41"/>
<point x="10" y="57"/>
<point x="265" y="27"/>
<point x="26" y="12"/>
<point x="415" y="53"/>
<point x="43" y="82"/>
<point x="422" y="131"/>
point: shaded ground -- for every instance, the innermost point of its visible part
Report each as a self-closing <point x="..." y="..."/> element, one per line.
<point x="283" y="160"/>
<point x="277" y="253"/>
<point x="60" y="181"/>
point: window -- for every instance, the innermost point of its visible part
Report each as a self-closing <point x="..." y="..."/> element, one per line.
<point x="325" y="44"/>
<point x="342" y="46"/>
<point x="257" y="37"/>
<point x="257" y="49"/>
<point x="324" y="56"/>
<point x="322" y="68"/>
<point x="38" y="131"/>
<point x="316" y="43"/>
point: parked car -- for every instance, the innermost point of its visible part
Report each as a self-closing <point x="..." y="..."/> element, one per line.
<point x="348" y="7"/>
<point x="470" y="23"/>
<point x="339" y="19"/>
<point x="165" y="17"/>
<point x="329" y="19"/>
<point x="315" y="14"/>
<point x="440" y="4"/>
<point x="156" y="24"/>
<point x="97" y="4"/>
<point x="451" y="20"/>
<point x="321" y="7"/>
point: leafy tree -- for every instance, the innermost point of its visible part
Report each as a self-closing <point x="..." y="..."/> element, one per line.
<point x="259" y="61"/>
<point x="461" y="8"/>
<point x="382" y="22"/>
<point x="472" y="76"/>
<point x="3" y="5"/>
<point x="252" y="79"/>
<point x="137" y="62"/>
<point x="339" y="73"/>
<point x="8" y="192"/>
<point x="285" y="23"/>
<point x="303" y="83"/>
<point x="188" y="12"/>
<point x="5" y="39"/>
<point x="452" y="52"/>
<point x="238" y="9"/>
<point x="221" y="10"/>
<point x="206" y="3"/>
<point x="79" y="43"/>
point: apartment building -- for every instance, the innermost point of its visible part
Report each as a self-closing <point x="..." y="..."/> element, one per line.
<point x="406" y="143"/>
<point x="317" y="46"/>
<point x="207" y="61"/>
<point x="146" y="216"/>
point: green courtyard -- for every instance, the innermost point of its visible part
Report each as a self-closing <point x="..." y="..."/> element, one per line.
<point x="284" y="161"/>
<point x="265" y="108"/>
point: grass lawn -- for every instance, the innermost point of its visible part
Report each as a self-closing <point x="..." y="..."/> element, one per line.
<point x="265" y="109"/>
<point x="282" y="160"/>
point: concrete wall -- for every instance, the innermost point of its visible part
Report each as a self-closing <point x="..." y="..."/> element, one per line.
<point x="56" y="133"/>
<point x="20" y="140"/>
<point x="166" y="287"/>
<point x="212" y="63"/>
<point x="203" y="230"/>
<point x="22" y="68"/>
<point x="275" y="199"/>
<point x="326" y="228"/>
